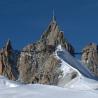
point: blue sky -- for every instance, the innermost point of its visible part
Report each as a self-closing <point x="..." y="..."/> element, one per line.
<point x="23" y="21"/>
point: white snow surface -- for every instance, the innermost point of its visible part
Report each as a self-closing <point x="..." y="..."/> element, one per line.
<point x="80" y="82"/>
<point x="81" y="86"/>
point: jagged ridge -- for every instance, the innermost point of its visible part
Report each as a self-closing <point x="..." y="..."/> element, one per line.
<point x="37" y="63"/>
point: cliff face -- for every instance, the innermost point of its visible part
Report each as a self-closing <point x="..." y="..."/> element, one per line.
<point x="37" y="63"/>
<point x="90" y="57"/>
<point x="8" y="62"/>
<point x="53" y="36"/>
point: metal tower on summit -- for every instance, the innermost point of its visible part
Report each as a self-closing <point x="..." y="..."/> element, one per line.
<point x="53" y="17"/>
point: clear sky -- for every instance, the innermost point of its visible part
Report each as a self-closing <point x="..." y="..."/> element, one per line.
<point x="23" y="21"/>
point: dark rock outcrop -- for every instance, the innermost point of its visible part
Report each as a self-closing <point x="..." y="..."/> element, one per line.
<point x="90" y="57"/>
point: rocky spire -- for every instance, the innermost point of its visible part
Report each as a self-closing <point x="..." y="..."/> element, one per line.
<point x="8" y="61"/>
<point x="54" y="36"/>
<point x="41" y="66"/>
<point x="51" y="32"/>
<point x="90" y="57"/>
<point x="8" y="46"/>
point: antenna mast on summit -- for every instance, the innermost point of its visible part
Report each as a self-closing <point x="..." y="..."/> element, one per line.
<point x="53" y="16"/>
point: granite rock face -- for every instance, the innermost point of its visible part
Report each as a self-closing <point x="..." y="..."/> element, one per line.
<point x="53" y="36"/>
<point x="8" y="62"/>
<point x="37" y="64"/>
<point x="90" y="57"/>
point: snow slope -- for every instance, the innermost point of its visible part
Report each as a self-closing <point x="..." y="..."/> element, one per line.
<point x="67" y="58"/>
<point x="45" y="91"/>
<point x="82" y="85"/>
<point x="16" y="90"/>
<point x="83" y="80"/>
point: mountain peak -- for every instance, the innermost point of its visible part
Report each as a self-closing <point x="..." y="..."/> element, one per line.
<point x="52" y="33"/>
<point x="8" y="45"/>
<point x="54" y="36"/>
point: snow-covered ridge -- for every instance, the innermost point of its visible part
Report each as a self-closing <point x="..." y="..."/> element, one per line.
<point x="66" y="57"/>
<point x="83" y="79"/>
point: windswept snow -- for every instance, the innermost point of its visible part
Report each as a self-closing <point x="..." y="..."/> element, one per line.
<point x="76" y="82"/>
<point x="83" y="80"/>
<point x="66" y="57"/>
